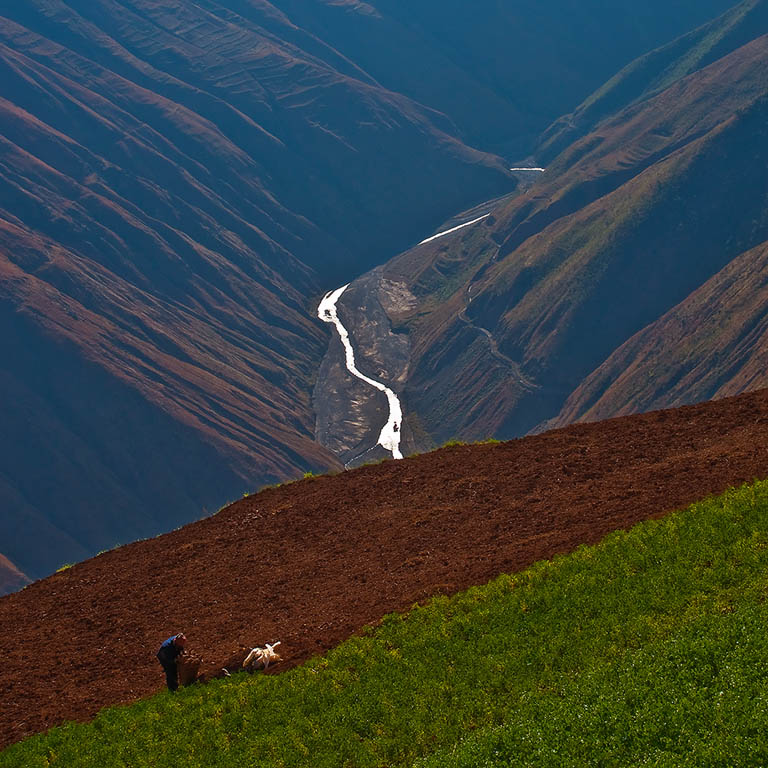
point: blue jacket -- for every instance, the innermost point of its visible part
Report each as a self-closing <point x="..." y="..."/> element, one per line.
<point x="168" y="652"/>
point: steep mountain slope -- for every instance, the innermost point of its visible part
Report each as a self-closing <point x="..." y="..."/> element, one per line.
<point x="501" y="71"/>
<point x="512" y="314"/>
<point x="657" y="70"/>
<point x="713" y="344"/>
<point x="310" y="563"/>
<point x="172" y="178"/>
<point x="328" y="145"/>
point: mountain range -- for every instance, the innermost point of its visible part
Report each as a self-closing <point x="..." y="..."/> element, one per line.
<point x="180" y="181"/>
<point x="630" y="276"/>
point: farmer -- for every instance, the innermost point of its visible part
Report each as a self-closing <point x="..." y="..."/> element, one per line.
<point x="167" y="656"/>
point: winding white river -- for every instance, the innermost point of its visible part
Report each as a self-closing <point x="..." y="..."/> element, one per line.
<point x="389" y="439"/>
<point x="454" y="229"/>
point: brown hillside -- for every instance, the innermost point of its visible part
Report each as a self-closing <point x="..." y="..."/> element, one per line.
<point x="312" y="562"/>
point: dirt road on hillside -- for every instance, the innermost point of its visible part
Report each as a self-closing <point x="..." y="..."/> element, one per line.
<point x="311" y="563"/>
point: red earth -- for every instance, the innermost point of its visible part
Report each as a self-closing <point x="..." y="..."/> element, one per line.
<point x="312" y="562"/>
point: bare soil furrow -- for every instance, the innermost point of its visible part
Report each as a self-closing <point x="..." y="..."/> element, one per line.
<point x="312" y="562"/>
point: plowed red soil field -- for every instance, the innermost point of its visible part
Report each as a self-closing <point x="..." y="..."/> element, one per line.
<point x="312" y="562"/>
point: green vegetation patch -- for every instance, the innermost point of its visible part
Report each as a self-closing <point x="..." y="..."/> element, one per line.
<point x="648" y="649"/>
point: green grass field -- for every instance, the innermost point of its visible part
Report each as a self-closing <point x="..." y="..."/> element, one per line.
<point x="648" y="649"/>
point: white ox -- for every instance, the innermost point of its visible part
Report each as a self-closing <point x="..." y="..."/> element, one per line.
<point x="261" y="658"/>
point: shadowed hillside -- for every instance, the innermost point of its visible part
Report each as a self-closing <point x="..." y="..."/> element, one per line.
<point x="180" y="180"/>
<point x="501" y="71"/>
<point x="724" y="322"/>
<point x="657" y="70"/>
